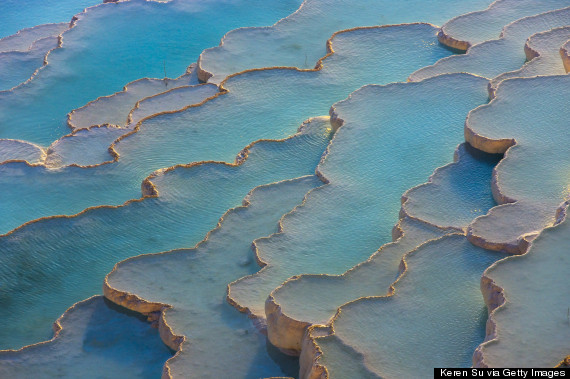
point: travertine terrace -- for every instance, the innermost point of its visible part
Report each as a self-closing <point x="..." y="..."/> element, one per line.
<point x="316" y="189"/>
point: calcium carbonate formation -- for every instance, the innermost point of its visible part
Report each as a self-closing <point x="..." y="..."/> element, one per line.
<point x="312" y="189"/>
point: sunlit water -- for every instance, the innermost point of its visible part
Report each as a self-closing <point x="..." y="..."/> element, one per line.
<point x="392" y="138"/>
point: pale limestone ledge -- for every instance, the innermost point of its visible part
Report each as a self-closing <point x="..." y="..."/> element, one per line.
<point x="445" y="37"/>
<point x="514" y="223"/>
<point x="565" y="55"/>
<point x="539" y="59"/>
<point x="287" y="333"/>
<point x="66" y="151"/>
<point x="451" y="42"/>
<point x="149" y="309"/>
<point x="506" y="218"/>
<point x="155" y="311"/>
<point x="204" y="76"/>
<point x="507" y="11"/>
<point x="37" y="51"/>
<point x="500" y="229"/>
<point x="311" y="365"/>
<point x="530" y="53"/>
<point x="488" y="145"/>
<point x="81" y="118"/>
<point x="60" y="153"/>
<point x="493" y="57"/>
<point x="24" y="39"/>
<point x="518" y="245"/>
<point x="494" y="298"/>
<point x="60" y="29"/>
<point x="17" y="150"/>
<point x="493" y="146"/>
<point x="283" y="331"/>
<point x="310" y="368"/>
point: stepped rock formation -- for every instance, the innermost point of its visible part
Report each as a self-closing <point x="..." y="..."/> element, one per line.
<point x="524" y="121"/>
<point x="128" y="142"/>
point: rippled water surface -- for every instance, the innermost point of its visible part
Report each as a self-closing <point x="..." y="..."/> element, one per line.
<point x="250" y="181"/>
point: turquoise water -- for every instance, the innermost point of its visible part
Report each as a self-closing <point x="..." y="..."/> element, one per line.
<point x="20" y="150"/>
<point x="535" y="121"/>
<point x="448" y="327"/>
<point x="51" y="264"/>
<point x="300" y="40"/>
<point x="316" y="238"/>
<point x="222" y="126"/>
<point x="443" y="201"/>
<point x="174" y="163"/>
<point x="203" y="316"/>
<point x="115" y="109"/>
<point x="342" y="360"/>
<point x="95" y="63"/>
<point x="25" y="39"/>
<point x="16" y="15"/>
<point x="458" y="192"/>
<point x="95" y="334"/>
<point x="532" y="316"/>
<point x="313" y="299"/>
<point x="484" y="25"/>
<point x="494" y="57"/>
<point x="16" y="66"/>
<point x="547" y="46"/>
